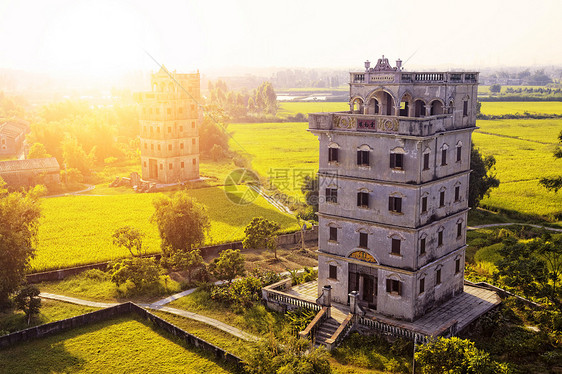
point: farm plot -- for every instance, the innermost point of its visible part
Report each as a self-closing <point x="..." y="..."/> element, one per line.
<point x="123" y="345"/>
<point x="283" y="152"/>
<point x="287" y="109"/>
<point x="77" y="230"/>
<point x="523" y="151"/>
<point x="497" y="108"/>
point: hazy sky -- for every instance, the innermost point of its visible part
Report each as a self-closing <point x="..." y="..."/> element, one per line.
<point x="99" y="37"/>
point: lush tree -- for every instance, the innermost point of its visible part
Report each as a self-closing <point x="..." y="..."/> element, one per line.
<point x="309" y="188"/>
<point x="260" y="233"/>
<point x="181" y="221"/>
<point x="293" y="355"/>
<point x="482" y="178"/>
<point x="141" y="271"/>
<point x="19" y="219"/>
<point x="75" y="156"/>
<point x="38" y="150"/>
<point x="27" y="299"/>
<point x="228" y="265"/>
<point x="129" y="238"/>
<point x="454" y="355"/>
<point x="213" y="130"/>
<point x="554" y="183"/>
<point x="189" y="261"/>
<point x="495" y="88"/>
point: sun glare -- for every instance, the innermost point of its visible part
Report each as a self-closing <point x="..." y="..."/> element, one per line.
<point x="95" y="38"/>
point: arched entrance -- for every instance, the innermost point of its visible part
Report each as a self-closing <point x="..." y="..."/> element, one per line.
<point x="436" y="107"/>
<point x="420" y="108"/>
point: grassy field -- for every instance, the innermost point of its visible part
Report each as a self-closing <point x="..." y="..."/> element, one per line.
<point x="77" y="230"/>
<point x="523" y="152"/>
<point x="287" y="109"/>
<point x="485" y="90"/>
<point x="51" y="310"/>
<point x="497" y="108"/>
<point x="121" y="345"/>
<point x="285" y="152"/>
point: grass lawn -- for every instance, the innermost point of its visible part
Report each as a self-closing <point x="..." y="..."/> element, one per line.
<point x="77" y="230"/>
<point x="284" y="152"/>
<point x="497" y="108"/>
<point x="214" y="336"/>
<point x="123" y="345"/>
<point x="256" y="320"/>
<point x="51" y="310"/>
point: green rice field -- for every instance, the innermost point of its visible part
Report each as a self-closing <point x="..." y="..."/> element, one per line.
<point x="77" y="230"/>
<point x="287" y="109"/>
<point x="497" y="108"/>
<point x="122" y="345"/>
<point x="285" y="152"/>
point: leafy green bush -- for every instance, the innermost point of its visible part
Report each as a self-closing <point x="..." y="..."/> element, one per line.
<point x="142" y="272"/>
<point x="307" y="275"/>
<point x="299" y="319"/>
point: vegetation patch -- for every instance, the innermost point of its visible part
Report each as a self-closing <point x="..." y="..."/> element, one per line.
<point x="113" y="346"/>
<point x="77" y="230"/>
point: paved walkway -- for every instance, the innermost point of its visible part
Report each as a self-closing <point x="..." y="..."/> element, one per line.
<point x="158" y="305"/>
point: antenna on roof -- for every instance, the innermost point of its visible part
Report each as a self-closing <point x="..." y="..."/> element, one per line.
<point x="408" y="59"/>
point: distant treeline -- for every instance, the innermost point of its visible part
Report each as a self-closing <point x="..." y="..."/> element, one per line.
<point x="556" y="97"/>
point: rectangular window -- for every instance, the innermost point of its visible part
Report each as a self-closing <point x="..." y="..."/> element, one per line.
<point x="333" y="234"/>
<point x="440" y="238"/>
<point x="363" y="158"/>
<point x="459" y="153"/>
<point x="145" y="164"/>
<point x="459" y="229"/>
<point x="397" y="161"/>
<point x="363" y="199"/>
<point x="194" y="162"/>
<point x="182" y="164"/>
<point x="363" y="240"/>
<point x="457" y="193"/>
<point x="422" y="285"/>
<point x="438" y="276"/>
<point x="158" y="146"/>
<point x="424" y="204"/>
<point x="192" y="124"/>
<point x="422" y="246"/>
<point x="181" y="145"/>
<point x="333" y="155"/>
<point x="193" y="141"/>
<point x="441" y="199"/>
<point x="457" y="265"/>
<point x="465" y="108"/>
<point x="395" y="204"/>
<point x="169" y="147"/>
<point x="394" y="287"/>
<point x="444" y="157"/>
<point x="170" y="166"/>
<point x="426" y="161"/>
<point x="395" y="246"/>
<point x="333" y="272"/>
<point x="332" y="195"/>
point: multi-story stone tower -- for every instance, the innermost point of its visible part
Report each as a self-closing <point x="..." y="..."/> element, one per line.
<point x="169" y="127"/>
<point x="393" y="178"/>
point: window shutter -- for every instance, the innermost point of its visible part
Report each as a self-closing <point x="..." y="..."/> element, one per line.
<point x="400" y="288"/>
<point x="388" y="286"/>
<point x="399" y="205"/>
<point x="359" y="158"/>
<point x="359" y="199"/>
<point x="392" y="160"/>
<point x="336" y="154"/>
<point x="390" y="203"/>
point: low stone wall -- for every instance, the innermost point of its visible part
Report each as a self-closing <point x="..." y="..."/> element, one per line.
<point x="310" y="236"/>
<point x="112" y="312"/>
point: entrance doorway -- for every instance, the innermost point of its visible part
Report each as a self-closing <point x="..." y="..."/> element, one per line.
<point x="152" y="169"/>
<point x="364" y="280"/>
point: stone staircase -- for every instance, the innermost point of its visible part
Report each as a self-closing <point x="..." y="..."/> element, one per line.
<point x="325" y="331"/>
